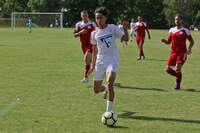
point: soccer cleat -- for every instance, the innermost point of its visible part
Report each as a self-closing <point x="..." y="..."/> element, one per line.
<point x="139" y="58"/>
<point x="177" y="88"/>
<point x="131" y="40"/>
<point x="84" y="80"/>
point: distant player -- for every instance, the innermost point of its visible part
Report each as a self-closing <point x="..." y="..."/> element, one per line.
<point x="29" y="24"/>
<point x="132" y="26"/>
<point x="122" y="29"/>
<point x="105" y="54"/>
<point x="178" y="55"/>
<point x="140" y="27"/>
<point x="83" y="30"/>
<point x="56" y="23"/>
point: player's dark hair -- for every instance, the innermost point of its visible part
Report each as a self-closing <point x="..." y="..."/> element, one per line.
<point x="103" y="10"/>
<point x="179" y="15"/>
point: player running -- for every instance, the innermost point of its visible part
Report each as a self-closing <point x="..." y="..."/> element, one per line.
<point x="140" y="27"/>
<point x="132" y="26"/>
<point x="105" y="53"/>
<point x="122" y="29"/>
<point x="178" y="55"/>
<point x="83" y="30"/>
<point x="29" y="24"/>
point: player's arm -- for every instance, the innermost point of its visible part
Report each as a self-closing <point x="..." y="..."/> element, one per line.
<point x="94" y="57"/>
<point x="165" y="41"/>
<point x="77" y="34"/>
<point x="189" y="51"/>
<point x="125" y="26"/>
<point x="148" y="33"/>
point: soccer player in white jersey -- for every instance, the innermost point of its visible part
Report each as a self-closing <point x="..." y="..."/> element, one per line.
<point x="132" y="26"/>
<point x="122" y="29"/>
<point x="179" y="51"/>
<point x="105" y="53"/>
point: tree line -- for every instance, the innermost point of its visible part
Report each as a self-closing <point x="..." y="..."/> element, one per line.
<point x="159" y="14"/>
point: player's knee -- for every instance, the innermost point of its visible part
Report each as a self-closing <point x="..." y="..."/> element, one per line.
<point x="168" y="69"/>
<point x="96" y="89"/>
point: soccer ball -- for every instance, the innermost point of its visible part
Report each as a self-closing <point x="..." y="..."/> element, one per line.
<point x="109" y="118"/>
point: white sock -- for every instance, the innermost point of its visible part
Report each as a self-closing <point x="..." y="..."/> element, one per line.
<point x="109" y="106"/>
<point x="131" y="38"/>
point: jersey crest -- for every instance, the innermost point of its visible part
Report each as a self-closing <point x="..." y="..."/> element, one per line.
<point x="107" y="40"/>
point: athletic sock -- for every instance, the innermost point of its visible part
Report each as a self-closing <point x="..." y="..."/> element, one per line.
<point x="87" y="68"/>
<point x="142" y="53"/>
<point x="109" y="106"/>
<point x="178" y="78"/>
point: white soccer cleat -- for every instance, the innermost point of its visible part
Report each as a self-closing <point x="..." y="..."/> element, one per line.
<point x="84" y="80"/>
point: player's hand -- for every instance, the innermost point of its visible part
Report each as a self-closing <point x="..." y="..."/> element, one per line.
<point x="189" y="51"/>
<point x="162" y="40"/>
<point x="90" y="71"/>
<point x="149" y="37"/>
<point x="84" y="31"/>
<point x="125" y="24"/>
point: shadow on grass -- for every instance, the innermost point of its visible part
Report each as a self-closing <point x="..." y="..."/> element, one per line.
<point x="128" y="115"/>
<point x="190" y="90"/>
<point x="120" y="127"/>
<point x="155" y="59"/>
<point x="137" y="88"/>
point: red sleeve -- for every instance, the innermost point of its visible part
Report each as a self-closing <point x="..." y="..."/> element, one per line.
<point x="189" y="38"/>
<point x="170" y="38"/>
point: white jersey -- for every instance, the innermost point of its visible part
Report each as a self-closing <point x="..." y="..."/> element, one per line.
<point x="121" y="27"/>
<point x="106" y="44"/>
<point x="132" y="25"/>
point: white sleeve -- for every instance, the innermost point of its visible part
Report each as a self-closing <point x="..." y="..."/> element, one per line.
<point x="76" y="27"/>
<point x="118" y="33"/>
<point x="92" y="38"/>
<point x="187" y="31"/>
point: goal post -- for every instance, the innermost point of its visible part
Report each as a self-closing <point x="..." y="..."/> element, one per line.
<point x="39" y="19"/>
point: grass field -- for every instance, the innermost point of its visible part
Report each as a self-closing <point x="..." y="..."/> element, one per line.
<point x="44" y="69"/>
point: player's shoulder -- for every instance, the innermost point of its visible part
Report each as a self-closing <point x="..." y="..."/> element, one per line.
<point x="144" y="23"/>
<point x="187" y="31"/>
<point x="172" y="29"/>
<point x="78" y="23"/>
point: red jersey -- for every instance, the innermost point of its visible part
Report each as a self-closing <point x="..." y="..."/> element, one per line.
<point x="140" y="27"/>
<point x="178" y="38"/>
<point x="89" y="26"/>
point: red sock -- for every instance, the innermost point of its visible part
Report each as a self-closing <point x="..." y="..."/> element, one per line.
<point x="142" y="53"/>
<point x="87" y="68"/>
<point x="178" y="78"/>
<point x="171" y="71"/>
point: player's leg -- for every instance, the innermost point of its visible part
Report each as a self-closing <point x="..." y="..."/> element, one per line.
<point x="84" y="49"/>
<point x="98" y="87"/>
<point x="110" y="95"/>
<point x="138" y="43"/>
<point x="141" y="47"/>
<point x="170" y="63"/>
<point x="131" y="33"/>
<point x="87" y="59"/>
<point x="181" y="58"/>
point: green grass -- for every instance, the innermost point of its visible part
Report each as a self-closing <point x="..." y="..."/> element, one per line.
<point x="44" y="69"/>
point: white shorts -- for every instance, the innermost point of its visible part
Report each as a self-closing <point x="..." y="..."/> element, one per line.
<point x="102" y="69"/>
<point x="132" y="32"/>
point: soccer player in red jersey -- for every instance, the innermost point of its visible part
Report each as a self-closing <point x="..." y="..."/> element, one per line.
<point x="83" y="30"/>
<point x="140" y="28"/>
<point x="178" y="55"/>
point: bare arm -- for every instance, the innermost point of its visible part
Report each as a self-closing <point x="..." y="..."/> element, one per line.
<point x="148" y="33"/>
<point x="94" y="57"/>
<point x="190" y="47"/>
<point x="77" y="34"/>
<point x="165" y="41"/>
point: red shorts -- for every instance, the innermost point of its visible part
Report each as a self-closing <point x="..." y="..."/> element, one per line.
<point x="140" y="40"/>
<point x="176" y="58"/>
<point x="86" y="47"/>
